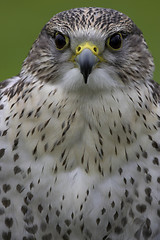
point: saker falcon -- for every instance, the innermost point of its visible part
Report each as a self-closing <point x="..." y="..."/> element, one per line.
<point x="80" y="134"/>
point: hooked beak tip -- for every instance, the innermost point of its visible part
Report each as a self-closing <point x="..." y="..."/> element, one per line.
<point x="86" y="60"/>
<point x="85" y="79"/>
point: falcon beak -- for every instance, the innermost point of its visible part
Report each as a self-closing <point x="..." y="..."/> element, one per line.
<point x="86" y="61"/>
<point x="87" y="57"/>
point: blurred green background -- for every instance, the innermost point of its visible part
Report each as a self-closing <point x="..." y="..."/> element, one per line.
<point x="21" y="22"/>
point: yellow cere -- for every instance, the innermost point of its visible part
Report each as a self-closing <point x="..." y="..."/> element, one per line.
<point x="88" y="45"/>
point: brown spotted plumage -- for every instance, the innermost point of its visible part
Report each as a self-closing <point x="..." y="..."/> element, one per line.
<point x="80" y="134"/>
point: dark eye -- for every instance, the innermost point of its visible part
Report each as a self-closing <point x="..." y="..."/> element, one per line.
<point x="61" y="41"/>
<point x="115" y="41"/>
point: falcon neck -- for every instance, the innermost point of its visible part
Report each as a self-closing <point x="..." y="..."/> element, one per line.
<point x="75" y="130"/>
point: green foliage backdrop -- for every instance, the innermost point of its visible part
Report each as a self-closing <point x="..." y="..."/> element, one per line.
<point x="21" y="22"/>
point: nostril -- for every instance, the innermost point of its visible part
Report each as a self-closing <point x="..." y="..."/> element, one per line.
<point x="79" y="49"/>
<point x="95" y="49"/>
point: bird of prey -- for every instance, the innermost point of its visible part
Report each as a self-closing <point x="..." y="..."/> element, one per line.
<point x="80" y="134"/>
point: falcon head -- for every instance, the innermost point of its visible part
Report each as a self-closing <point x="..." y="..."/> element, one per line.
<point x="89" y="48"/>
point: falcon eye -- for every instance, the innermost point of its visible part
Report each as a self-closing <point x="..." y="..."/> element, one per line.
<point x="61" y="41"/>
<point x="115" y="41"/>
